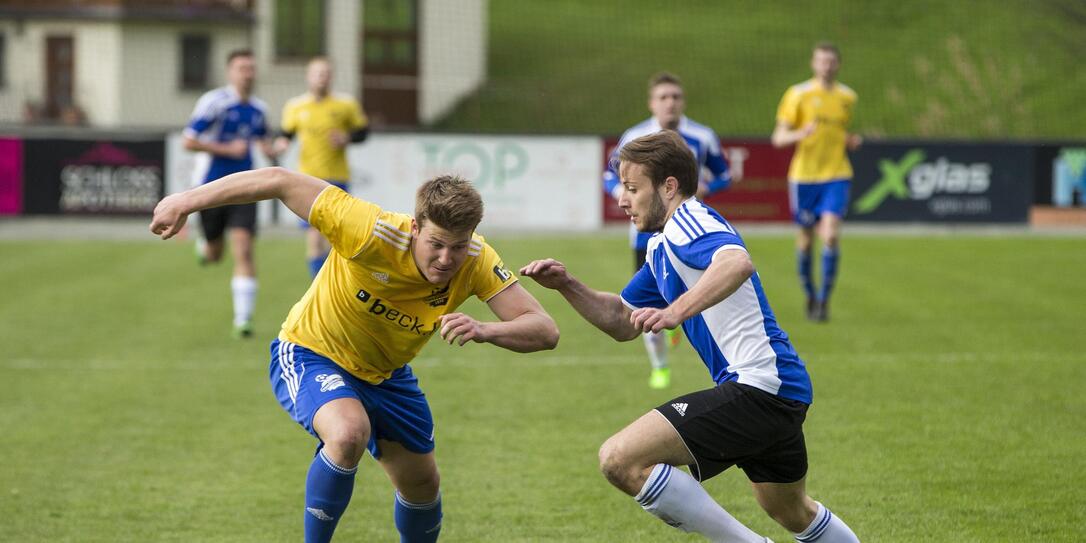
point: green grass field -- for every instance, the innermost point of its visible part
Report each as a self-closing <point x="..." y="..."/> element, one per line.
<point x="949" y="400"/>
<point x="925" y="68"/>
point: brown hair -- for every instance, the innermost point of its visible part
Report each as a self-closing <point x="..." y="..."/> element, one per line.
<point x="661" y="78"/>
<point x="828" y="47"/>
<point x="450" y="202"/>
<point x="238" y="53"/>
<point x="664" y="154"/>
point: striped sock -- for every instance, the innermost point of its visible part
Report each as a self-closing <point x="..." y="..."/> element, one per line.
<point x="827" y="528"/>
<point x="830" y="256"/>
<point x="803" y="268"/>
<point x="417" y="522"/>
<point x="676" y="498"/>
<point x="328" y="490"/>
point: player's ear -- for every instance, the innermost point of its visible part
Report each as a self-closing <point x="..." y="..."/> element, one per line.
<point x="414" y="228"/>
<point x="671" y="186"/>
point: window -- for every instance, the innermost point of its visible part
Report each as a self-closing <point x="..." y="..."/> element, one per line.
<point x="195" y="56"/>
<point x="299" y="28"/>
<point x="390" y="34"/>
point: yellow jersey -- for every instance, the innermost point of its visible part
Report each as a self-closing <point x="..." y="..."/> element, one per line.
<point x="821" y="156"/>
<point x="369" y="309"/>
<point x="313" y="121"/>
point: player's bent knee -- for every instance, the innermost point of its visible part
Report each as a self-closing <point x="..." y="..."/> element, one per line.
<point x="615" y="467"/>
<point x="347" y="439"/>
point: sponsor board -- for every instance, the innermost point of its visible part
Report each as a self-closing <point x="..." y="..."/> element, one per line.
<point x="760" y="195"/>
<point x="92" y="176"/>
<point x="11" y="176"/>
<point x="942" y="183"/>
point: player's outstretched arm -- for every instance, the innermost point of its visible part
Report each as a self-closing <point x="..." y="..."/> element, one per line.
<point x="727" y="272"/>
<point x="296" y="190"/>
<point x="525" y="326"/>
<point x="603" y="309"/>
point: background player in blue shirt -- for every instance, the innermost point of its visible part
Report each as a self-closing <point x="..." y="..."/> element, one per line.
<point x="224" y="124"/>
<point x="667" y="103"/>
<point x="699" y="275"/>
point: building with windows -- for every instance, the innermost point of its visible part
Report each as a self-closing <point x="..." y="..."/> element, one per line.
<point x="121" y="64"/>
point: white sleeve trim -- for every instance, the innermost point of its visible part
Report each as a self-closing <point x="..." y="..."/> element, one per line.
<point x="729" y="247"/>
<point x="628" y="304"/>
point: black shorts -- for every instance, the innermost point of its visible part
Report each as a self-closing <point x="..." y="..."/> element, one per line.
<point x="739" y="425"/>
<point x="217" y="219"/>
<point x="639" y="258"/>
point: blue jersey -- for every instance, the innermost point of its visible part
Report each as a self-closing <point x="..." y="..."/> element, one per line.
<point x="702" y="141"/>
<point x="221" y="116"/>
<point x="738" y="338"/>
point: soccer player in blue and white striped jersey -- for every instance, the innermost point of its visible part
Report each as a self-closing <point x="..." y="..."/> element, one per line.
<point x="699" y="275"/>
<point x="667" y="103"/>
<point x="224" y="124"/>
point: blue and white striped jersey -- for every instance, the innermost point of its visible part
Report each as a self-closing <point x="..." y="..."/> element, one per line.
<point x="738" y="338"/>
<point x="221" y="116"/>
<point x="703" y="142"/>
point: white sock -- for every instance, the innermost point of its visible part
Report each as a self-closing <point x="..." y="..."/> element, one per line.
<point x="676" y="498"/>
<point x="827" y="528"/>
<point x="656" y="345"/>
<point x="244" y="289"/>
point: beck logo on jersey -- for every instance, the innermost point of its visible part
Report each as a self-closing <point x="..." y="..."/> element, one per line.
<point x="380" y="308"/>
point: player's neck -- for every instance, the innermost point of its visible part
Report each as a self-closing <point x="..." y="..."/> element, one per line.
<point x="826" y="83"/>
<point x="319" y="94"/>
<point x="244" y="95"/>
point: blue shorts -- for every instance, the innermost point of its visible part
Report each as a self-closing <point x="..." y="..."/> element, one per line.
<point x="302" y="223"/>
<point x="303" y="381"/>
<point x="809" y="201"/>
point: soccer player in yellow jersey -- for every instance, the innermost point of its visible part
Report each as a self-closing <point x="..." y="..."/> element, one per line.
<point x="814" y="116"/>
<point x="340" y="363"/>
<point x="325" y="123"/>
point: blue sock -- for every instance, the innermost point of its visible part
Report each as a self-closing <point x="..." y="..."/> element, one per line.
<point x="829" y="270"/>
<point x="803" y="258"/>
<point x="328" y="489"/>
<point x="315" y="264"/>
<point x="418" y="523"/>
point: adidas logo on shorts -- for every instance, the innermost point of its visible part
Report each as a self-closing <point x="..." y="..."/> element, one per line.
<point x="681" y="408"/>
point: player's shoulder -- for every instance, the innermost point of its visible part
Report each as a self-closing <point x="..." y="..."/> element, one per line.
<point x="844" y="90"/>
<point x="343" y="98"/>
<point x="298" y="101"/>
<point x="643" y="128"/>
<point x="692" y="220"/>
<point x="394" y="229"/>
<point x="215" y="98"/>
<point x="697" y="130"/>
<point x="803" y="87"/>
<point x="258" y="104"/>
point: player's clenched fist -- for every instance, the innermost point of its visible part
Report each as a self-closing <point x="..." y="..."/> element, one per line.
<point x="459" y="328"/>
<point x="548" y="272"/>
<point x="170" y="216"/>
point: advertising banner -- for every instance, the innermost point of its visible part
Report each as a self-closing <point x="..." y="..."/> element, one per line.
<point x="527" y="182"/>
<point x="761" y="194"/>
<point x="942" y="183"/>
<point x="92" y="176"/>
<point x="1061" y="175"/>
<point x="11" y="176"/>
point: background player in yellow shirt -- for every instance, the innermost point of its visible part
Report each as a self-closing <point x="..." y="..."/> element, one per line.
<point x="340" y="363"/>
<point x="814" y="116"/>
<point x="325" y="123"/>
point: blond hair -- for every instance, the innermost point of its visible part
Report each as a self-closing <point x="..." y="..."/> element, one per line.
<point x="450" y="202"/>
